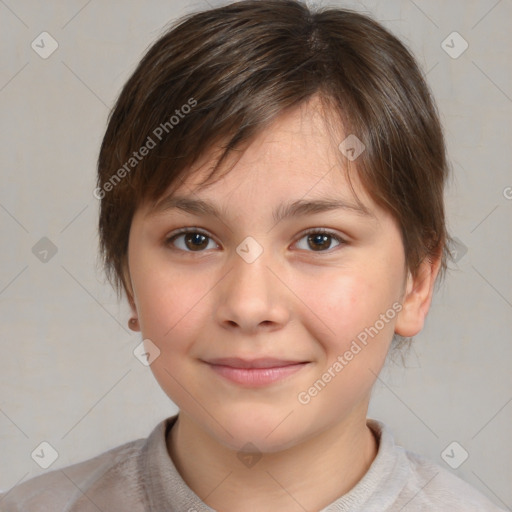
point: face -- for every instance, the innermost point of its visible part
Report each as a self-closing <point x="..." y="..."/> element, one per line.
<point x="269" y="331"/>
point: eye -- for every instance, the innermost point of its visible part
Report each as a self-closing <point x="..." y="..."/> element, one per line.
<point x="193" y="240"/>
<point x="320" y="239"/>
<point x="196" y="240"/>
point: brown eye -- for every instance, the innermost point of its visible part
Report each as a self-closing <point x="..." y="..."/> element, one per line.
<point x="320" y="240"/>
<point x="189" y="241"/>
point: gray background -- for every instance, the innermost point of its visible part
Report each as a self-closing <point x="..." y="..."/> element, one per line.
<point x="67" y="372"/>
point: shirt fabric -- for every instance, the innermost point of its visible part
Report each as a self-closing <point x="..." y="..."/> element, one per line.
<point x="140" y="476"/>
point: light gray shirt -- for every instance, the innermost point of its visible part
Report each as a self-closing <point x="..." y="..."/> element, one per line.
<point x="140" y="476"/>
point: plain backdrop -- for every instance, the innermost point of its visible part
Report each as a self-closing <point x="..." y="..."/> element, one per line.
<point x="68" y="375"/>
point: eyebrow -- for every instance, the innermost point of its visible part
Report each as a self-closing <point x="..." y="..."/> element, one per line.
<point x="283" y="211"/>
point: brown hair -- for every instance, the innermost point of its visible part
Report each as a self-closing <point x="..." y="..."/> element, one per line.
<point x="226" y="73"/>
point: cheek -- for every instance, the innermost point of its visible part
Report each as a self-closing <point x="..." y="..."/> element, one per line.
<point x="171" y="313"/>
<point x="174" y="308"/>
<point x="353" y="349"/>
<point x="343" y="305"/>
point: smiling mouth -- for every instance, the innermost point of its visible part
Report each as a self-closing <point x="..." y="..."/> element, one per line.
<point x="255" y="372"/>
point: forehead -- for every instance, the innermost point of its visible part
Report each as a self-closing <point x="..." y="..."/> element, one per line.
<point x="295" y="157"/>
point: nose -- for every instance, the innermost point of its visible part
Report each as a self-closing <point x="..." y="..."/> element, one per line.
<point x="252" y="296"/>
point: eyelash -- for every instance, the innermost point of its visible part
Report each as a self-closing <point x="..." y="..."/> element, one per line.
<point x="317" y="231"/>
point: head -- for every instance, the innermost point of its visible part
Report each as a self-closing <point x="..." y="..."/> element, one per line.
<point x="250" y="107"/>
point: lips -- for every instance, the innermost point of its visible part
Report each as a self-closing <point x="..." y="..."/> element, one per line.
<point x="235" y="362"/>
<point x="255" y="372"/>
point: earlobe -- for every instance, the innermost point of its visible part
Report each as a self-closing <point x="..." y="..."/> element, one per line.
<point x="417" y="299"/>
<point x="133" y="323"/>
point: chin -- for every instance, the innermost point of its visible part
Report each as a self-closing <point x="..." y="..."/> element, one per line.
<point x="260" y="439"/>
<point x="270" y="432"/>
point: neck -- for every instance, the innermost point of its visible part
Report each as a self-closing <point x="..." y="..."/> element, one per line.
<point x="310" y="475"/>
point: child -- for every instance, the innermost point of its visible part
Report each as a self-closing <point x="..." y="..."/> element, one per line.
<point x="271" y="184"/>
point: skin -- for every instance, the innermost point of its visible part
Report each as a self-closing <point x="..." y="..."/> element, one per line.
<point x="293" y="302"/>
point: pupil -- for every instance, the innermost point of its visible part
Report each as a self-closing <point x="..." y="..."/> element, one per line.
<point x="196" y="239"/>
<point x="319" y="239"/>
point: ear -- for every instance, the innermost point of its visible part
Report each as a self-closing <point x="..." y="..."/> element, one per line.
<point x="417" y="299"/>
<point x="128" y="287"/>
